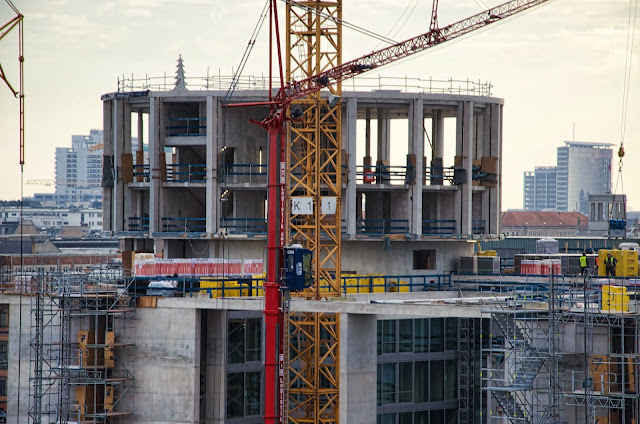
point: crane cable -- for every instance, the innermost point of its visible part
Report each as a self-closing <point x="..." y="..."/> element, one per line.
<point x="631" y="29"/>
<point x="247" y="53"/>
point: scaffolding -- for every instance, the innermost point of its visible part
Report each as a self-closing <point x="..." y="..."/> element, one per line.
<point x="599" y="383"/>
<point x="568" y="352"/>
<point x="82" y="348"/>
<point x="520" y="374"/>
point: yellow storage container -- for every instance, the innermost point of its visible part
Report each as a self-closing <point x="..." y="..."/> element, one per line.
<point x="377" y="284"/>
<point x="403" y="286"/>
<point x="350" y="284"/>
<point x="213" y="284"/>
<point x="627" y="265"/>
<point x="615" y="299"/>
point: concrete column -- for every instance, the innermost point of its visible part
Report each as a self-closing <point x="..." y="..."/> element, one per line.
<point x="140" y="132"/>
<point x="349" y="139"/>
<point x="119" y="137"/>
<point x="154" y="170"/>
<point x="485" y="150"/>
<point x="216" y="362"/>
<point x="459" y="152"/>
<point x="416" y="146"/>
<point x="466" y="128"/>
<point x="127" y="200"/>
<point x="437" y="133"/>
<point x="367" y="133"/>
<point x="384" y="135"/>
<point x="107" y="149"/>
<point x="495" y="193"/>
<point x="358" y="368"/>
<point x="213" y="189"/>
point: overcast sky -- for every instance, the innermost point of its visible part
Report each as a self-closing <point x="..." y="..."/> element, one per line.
<point x="556" y="66"/>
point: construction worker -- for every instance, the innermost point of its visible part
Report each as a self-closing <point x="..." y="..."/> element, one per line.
<point x="610" y="265"/>
<point x="584" y="265"/>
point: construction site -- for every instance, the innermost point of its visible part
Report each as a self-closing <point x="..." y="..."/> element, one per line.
<point x="288" y="256"/>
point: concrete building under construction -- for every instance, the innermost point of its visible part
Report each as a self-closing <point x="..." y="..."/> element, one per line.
<point x="418" y="344"/>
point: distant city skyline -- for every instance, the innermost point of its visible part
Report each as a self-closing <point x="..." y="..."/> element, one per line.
<point x="582" y="168"/>
<point x="558" y="66"/>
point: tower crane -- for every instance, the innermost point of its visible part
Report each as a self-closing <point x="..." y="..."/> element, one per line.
<point x="281" y="112"/>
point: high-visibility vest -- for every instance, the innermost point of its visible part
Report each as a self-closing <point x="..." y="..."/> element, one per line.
<point x="583" y="262"/>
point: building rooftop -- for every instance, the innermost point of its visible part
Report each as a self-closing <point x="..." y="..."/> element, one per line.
<point x="543" y="219"/>
<point x="587" y="144"/>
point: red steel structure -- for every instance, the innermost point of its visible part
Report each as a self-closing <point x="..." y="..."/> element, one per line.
<point x="274" y="123"/>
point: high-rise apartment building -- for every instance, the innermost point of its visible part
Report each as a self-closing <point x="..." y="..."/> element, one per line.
<point x="583" y="168"/>
<point x="540" y="189"/>
<point x="79" y="169"/>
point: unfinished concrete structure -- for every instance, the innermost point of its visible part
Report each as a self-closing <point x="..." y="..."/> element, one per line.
<point x="203" y="189"/>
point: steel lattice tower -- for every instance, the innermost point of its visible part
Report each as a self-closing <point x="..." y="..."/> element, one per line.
<point x="314" y="158"/>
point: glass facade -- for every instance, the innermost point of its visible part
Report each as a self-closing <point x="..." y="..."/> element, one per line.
<point x="417" y="380"/>
<point x="244" y="368"/>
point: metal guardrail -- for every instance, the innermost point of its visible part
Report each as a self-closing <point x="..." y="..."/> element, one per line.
<point x="382" y="226"/>
<point x="241" y="286"/>
<point x="436" y="227"/>
<point x="186" y="173"/>
<point x="243" y="172"/>
<point x="187" y="127"/>
<point x="141" y="170"/>
<point x="382" y="174"/>
<point x="185" y="225"/>
<point x="244" y="225"/>
<point x="403" y="84"/>
<point x="138" y="223"/>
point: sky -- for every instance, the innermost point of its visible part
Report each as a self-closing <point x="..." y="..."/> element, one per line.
<point x="559" y="68"/>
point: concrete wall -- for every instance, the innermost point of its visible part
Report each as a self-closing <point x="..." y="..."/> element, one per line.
<point x="370" y="257"/>
<point x="167" y="366"/>
<point x="358" y="368"/>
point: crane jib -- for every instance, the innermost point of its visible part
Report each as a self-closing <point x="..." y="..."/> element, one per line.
<point x="298" y="89"/>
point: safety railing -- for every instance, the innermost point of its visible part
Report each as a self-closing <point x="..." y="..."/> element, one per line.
<point x="138" y="223"/>
<point x="141" y="172"/>
<point x="243" y="172"/>
<point x="253" y="285"/>
<point x="478" y="226"/>
<point x="382" y="174"/>
<point x="438" y="227"/>
<point x="244" y="225"/>
<point x="187" y="127"/>
<point x="382" y="226"/>
<point x="438" y="175"/>
<point x="186" y="173"/>
<point x="403" y="84"/>
<point x="183" y="225"/>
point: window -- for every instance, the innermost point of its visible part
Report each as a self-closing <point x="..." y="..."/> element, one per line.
<point x="421" y="378"/>
<point x="417" y="371"/>
<point x="4" y="355"/>
<point x="243" y="394"/>
<point x="422" y="335"/>
<point x="3" y="387"/>
<point x="405" y="371"/>
<point x="405" y="333"/>
<point x="244" y="367"/>
<point x="4" y="316"/>
<point x="424" y="259"/>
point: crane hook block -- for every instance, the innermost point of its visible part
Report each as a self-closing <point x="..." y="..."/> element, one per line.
<point x="621" y="152"/>
<point x="297" y="274"/>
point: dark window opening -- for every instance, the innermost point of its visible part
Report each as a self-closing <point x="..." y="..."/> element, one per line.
<point x="424" y="259"/>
